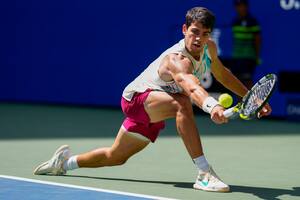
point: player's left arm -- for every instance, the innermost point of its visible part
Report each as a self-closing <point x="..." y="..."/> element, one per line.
<point x="224" y="75"/>
<point x="229" y="80"/>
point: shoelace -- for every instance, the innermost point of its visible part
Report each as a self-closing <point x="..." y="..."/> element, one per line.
<point x="57" y="163"/>
<point x="211" y="176"/>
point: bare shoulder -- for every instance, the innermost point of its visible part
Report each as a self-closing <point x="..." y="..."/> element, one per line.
<point x="211" y="44"/>
<point x="177" y="63"/>
<point x="212" y="48"/>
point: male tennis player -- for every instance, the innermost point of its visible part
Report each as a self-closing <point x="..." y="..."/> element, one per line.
<point x="165" y="90"/>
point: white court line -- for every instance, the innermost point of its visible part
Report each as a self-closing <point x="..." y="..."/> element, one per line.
<point x="84" y="188"/>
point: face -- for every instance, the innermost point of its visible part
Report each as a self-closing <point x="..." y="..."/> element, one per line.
<point x="196" y="36"/>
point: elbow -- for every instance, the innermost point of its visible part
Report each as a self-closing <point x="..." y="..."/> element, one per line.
<point x="192" y="91"/>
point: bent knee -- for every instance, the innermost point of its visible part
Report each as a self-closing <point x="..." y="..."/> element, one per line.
<point x="120" y="162"/>
<point x="116" y="159"/>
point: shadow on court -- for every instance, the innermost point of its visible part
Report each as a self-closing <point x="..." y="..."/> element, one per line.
<point x="188" y="185"/>
<point x="260" y="192"/>
<point x="266" y="193"/>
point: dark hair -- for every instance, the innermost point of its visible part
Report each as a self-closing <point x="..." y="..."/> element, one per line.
<point x="202" y="15"/>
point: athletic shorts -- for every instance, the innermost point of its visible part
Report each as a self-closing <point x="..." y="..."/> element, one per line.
<point x="137" y="119"/>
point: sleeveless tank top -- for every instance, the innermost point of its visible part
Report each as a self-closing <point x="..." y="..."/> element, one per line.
<point x="149" y="78"/>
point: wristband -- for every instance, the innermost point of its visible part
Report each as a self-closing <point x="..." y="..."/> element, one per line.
<point x="208" y="104"/>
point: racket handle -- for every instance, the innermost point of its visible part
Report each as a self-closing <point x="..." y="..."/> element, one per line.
<point x="229" y="112"/>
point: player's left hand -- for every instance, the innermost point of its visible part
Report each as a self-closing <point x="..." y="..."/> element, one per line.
<point x="265" y="111"/>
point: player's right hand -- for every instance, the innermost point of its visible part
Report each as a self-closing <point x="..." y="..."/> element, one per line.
<point x="217" y="115"/>
<point x="265" y="111"/>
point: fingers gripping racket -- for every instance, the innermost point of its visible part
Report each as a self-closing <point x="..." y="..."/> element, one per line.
<point x="254" y="100"/>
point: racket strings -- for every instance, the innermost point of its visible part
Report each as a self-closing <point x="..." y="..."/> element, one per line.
<point x="258" y="96"/>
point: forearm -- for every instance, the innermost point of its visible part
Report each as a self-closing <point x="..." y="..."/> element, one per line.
<point x="232" y="83"/>
<point x="198" y="94"/>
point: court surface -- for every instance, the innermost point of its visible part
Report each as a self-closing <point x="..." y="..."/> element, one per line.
<point x="258" y="159"/>
<point x="29" y="189"/>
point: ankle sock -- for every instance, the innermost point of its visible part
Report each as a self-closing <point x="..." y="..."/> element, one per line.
<point x="201" y="163"/>
<point x="71" y="163"/>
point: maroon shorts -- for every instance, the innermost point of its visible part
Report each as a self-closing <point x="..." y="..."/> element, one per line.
<point x="137" y="119"/>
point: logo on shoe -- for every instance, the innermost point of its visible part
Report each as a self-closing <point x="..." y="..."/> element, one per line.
<point x="204" y="183"/>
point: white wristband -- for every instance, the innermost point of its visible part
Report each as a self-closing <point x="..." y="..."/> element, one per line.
<point x="208" y="104"/>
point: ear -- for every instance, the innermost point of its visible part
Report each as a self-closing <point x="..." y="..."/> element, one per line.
<point x="184" y="29"/>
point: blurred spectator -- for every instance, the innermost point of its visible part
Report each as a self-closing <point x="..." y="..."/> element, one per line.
<point x="246" y="43"/>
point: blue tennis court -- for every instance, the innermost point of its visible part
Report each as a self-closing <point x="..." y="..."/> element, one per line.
<point x="13" y="188"/>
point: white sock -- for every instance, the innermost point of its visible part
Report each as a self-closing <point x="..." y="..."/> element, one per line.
<point x="201" y="163"/>
<point x="71" y="163"/>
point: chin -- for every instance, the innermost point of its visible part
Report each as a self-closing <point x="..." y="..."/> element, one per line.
<point x="197" y="51"/>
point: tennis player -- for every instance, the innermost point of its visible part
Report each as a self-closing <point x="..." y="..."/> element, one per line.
<point x="166" y="89"/>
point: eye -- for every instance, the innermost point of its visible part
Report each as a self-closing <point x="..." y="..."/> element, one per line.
<point x="206" y="34"/>
<point x="195" y="31"/>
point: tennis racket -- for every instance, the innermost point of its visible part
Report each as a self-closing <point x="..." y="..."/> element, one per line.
<point x="254" y="100"/>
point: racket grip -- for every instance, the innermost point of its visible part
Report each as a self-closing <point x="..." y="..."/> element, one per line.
<point x="229" y="112"/>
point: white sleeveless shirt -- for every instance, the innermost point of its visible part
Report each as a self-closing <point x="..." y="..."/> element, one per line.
<point x="149" y="78"/>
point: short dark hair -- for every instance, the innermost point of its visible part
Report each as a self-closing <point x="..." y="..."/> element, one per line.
<point x="202" y="15"/>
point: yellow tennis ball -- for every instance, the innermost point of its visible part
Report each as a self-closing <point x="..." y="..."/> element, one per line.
<point x="225" y="100"/>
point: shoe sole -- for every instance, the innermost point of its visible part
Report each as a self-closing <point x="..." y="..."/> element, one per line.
<point x="198" y="187"/>
<point x="36" y="170"/>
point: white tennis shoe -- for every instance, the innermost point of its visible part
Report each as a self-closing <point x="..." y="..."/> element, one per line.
<point x="54" y="166"/>
<point x="209" y="181"/>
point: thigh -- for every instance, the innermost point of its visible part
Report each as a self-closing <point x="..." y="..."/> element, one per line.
<point x="126" y="145"/>
<point x="161" y="105"/>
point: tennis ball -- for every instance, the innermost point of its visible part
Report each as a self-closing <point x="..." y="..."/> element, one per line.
<point x="225" y="100"/>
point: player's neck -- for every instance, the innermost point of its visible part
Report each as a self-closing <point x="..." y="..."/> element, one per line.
<point x="195" y="56"/>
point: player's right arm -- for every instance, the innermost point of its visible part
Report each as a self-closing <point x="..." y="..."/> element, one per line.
<point x="179" y="68"/>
